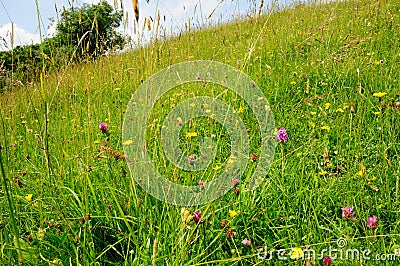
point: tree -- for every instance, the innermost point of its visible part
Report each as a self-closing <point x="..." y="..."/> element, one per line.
<point x="91" y="28"/>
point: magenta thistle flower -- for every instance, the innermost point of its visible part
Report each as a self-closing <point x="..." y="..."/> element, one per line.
<point x="197" y="217"/>
<point x="191" y="159"/>
<point x="372" y="221"/>
<point x="246" y="242"/>
<point x="327" y="260"/>
<point x="103" y="127"/>
<point x="282" y="135"/>
<point x="347" y="212"/>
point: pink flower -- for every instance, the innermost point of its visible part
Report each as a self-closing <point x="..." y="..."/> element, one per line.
<point x="372" y="221"/>
<point x="191" y="159"/>
<point x="180" y="123"/>
<point x="201" y="183"/>
<point x="235" y="181"/>
<point x="347" y="212"/>
<point x="103" y="127"/>
<point x="246" y="242"/>
<point x="327" y="260"/>
<point x="282" y="135"/>
<point x="197" y="217"/>
<point x="398" y="106"/>
<point x="12" y="145"/>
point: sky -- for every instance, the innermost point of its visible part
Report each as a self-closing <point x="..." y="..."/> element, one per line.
<point x="24" y="15"/>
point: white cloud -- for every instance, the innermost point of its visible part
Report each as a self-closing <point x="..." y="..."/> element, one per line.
<point x="21" y="37"/>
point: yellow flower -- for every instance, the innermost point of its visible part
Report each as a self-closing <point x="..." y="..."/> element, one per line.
<point x="340" y="110"/>
<point x="191" y="134"/>
<point x="29" y="197"/>
<point x="362" y="171"/>
<point x="40" y="234"/>
<point x="217" y="167"/>
<point x="379" y="94"/>
<point x="377" y="113"/>
<point x="233" y="213"/>
<point x="293" y="83"/>
<point x="327" y="105"/>
<point x="186" y="215"/>
<point x="296" y="253"/>
<point x="127" y="142"/>
<point x="241" y="109"/>
<point x="117" y="89"/>
<point x="327" y="128"/>
<point x="323" y="173"/>
<point x="312" y="124"/>
<point x="313" y="113"/>
<point x="23" y="122"/>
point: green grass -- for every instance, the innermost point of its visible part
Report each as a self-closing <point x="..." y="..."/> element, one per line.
<point x="318" y="67"/>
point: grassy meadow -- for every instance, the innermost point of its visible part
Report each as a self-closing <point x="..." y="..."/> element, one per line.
<point x="330" y="74"/>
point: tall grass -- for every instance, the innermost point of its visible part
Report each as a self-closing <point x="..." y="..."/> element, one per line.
<point x="318" y="66"/>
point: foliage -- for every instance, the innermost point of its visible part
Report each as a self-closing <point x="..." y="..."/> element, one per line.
<point x="92" y="28"/>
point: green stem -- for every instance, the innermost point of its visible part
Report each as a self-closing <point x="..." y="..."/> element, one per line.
<point x="10" y="205"/>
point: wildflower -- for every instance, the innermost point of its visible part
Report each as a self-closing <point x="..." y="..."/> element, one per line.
<point x="282" y="135"/>
<point x="201" y="183"/>
<point x="327" y="128"/>
<point x="233" y="213"/>
<point x="191" y="134"/>
<point x="327" y="260"/>
<point x="254" y="157"/>
<point x="372" y="221"/>
<point x="186" y="216"/>
<point x="191" y="159"/>
<point x="198" y="77"/>
<point x="246" y="242"/>
<point x="12" y="145"/>
<point x="103" y="127"/>
<point x="117" y="89"/>
<point x="398" y="106"/>
<point x="197" y="217"/>
<point x="327" y="105"/>
<point x="347" y="212"/>
<point x="383" y="105"/>
<point x="180" y="123"/>
<point x="362" y="171"/>
<point x="235" y="181"/>
<point x="379" y="94"/>
<point x="230" y="233"/>
<point x="28" y="197"/>
<point x="296" y="253"/>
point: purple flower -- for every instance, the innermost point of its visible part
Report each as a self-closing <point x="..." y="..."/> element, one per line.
<point x="347" y="212"/>
<point x="235" y="181"/>
<point x="246" y="242"/>
<point x="191" y="159"/>
<point x="197" y="217"/>
<point x="180" y="123"/>
<point x="103" y="127"/>
<point x="198" y="77"/>
<point x="372" y="221"/>
<point x="282" y="135"/>
<point x="327" y="260"/>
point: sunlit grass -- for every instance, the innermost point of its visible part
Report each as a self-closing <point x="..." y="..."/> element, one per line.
<point x="318" y="66"/>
